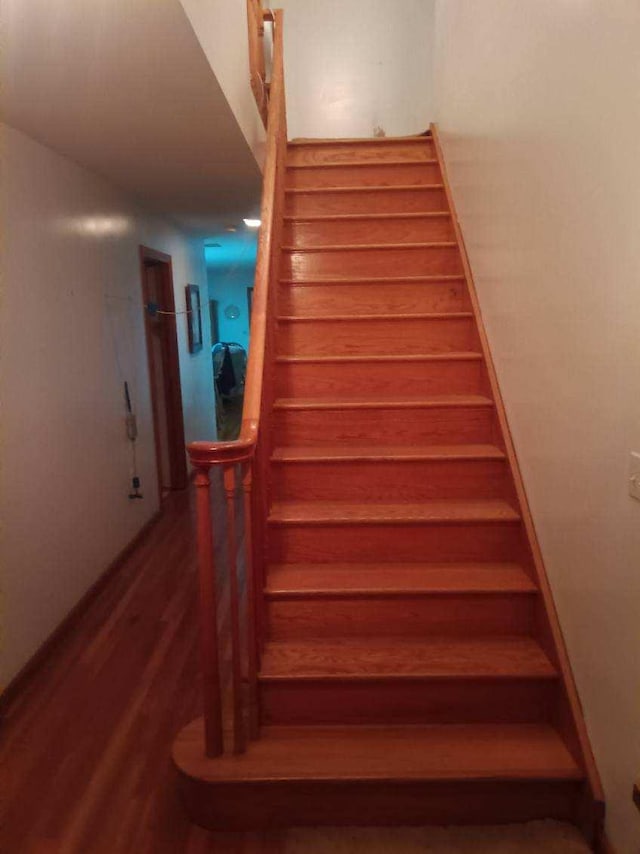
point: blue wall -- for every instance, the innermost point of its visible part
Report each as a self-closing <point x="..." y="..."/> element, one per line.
<point x="230" y="271"/>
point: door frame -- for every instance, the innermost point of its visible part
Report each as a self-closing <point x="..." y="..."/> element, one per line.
<point x="171" y="371"/>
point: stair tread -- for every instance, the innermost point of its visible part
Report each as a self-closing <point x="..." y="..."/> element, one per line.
<point x="374" y="280"/>
<point x="323" y="453"/>
<point x="360" y="140"/>
<point x="433" y="511"/>
<point x="453" y="356"/>
<point x="367" y="247"/>
<point x="375" y="164"/>
<point x="366" y="216"/>
<point x="471" y="752"/>
<point x="376" y="188"/>
<point x="442" y="400"/>
<point x="407" y="658"/>
<point x="359" y="318"/>
<point x="349" y="579"/>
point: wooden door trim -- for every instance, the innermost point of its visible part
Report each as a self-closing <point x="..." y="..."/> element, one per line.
<point x="177" y="457"/>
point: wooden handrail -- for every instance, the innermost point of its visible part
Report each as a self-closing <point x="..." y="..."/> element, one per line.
<point x="256" y="17"/>
<point x="204" y="454"/>
<point x="250" y="450"/>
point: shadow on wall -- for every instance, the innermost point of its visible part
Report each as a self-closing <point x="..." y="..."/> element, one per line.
<point x="230" y="260"/>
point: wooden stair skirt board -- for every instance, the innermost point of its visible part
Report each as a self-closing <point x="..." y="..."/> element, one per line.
<point x="412" y="670"/>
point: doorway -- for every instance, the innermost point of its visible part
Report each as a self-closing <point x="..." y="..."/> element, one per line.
<point x="214" y="317"/>
<point x="164" y="369"/>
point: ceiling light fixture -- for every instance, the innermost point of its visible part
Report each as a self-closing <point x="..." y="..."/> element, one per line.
<point x="252" y="223"/>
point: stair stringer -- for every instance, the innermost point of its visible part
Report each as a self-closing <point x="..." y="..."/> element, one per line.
<point x="568" y="718"/>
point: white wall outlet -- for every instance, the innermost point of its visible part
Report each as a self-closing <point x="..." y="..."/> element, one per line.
<point x="634" y="475"/>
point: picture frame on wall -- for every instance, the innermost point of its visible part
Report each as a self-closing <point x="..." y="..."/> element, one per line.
<point x="194" y="318"/>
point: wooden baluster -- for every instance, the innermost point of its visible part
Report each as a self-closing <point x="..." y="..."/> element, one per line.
<point x="251" y="611"/>
<point x="239" y="737"/>
<point x="258" y="540"/>
<point x="212" y="695"/>
<point x="257" y="73"/>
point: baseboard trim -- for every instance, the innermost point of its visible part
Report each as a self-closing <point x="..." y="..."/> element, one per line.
<point x="33" y="665"/>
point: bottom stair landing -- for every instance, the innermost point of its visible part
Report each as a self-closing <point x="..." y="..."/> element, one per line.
<point x="381" y="775"/>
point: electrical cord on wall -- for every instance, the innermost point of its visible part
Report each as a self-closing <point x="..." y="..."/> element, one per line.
<point x="130" y="417"/>
<point x="132" y="435"/>
<point x="152" y="309"/>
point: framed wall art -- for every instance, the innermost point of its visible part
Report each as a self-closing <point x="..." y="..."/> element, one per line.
<point x="194" y="318"/>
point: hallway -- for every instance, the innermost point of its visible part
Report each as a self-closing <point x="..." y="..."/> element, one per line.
<point x="86" y="747"/>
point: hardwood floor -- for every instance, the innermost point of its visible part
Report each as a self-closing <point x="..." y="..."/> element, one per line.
<point x="86" y="747"/>
<point x="85" y="751"/>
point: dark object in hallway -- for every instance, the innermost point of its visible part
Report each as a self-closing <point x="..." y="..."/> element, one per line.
<point x="229" y="366"/>
<point x="226" y="378"/>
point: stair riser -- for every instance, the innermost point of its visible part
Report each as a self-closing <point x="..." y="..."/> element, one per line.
<point x="455" y="542"/>
<point x="390" y="481"/>
<point x="415" y="616"/>
<point x="246" y="806"/>
<point x="368" y="201"/>
<point x="374" y="175"/>
<point x="353" y="338"/>
<point x="424" y="261"/>
<point x="363" y="152"/>
<point x="428" y="229"/>
<point x="382" y="379"/>
<point x="402" y="426"/>
<point x="392" y="298"/>
<point x="420" y="701"/>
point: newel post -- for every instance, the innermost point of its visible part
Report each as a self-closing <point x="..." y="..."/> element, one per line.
<point x="212" y="695"/>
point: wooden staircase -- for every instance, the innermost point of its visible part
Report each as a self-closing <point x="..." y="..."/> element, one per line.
<point x="412" y="669"/>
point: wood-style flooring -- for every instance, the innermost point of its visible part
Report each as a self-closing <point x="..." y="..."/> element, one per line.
<point x="85" y="750"/>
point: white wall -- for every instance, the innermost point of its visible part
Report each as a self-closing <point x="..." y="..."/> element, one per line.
<point x="125" y="88"/>
<point x="71" y="298"/>
<point x="353" y="66"/>
<point x="221" y="29"/>
<point x="350" y="67"/>
<point x="538" y="105"/>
